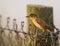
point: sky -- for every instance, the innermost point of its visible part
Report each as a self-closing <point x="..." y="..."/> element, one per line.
<point x="17" y="9"/>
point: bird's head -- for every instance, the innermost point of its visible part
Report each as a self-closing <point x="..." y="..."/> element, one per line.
<point x="32" y="16"/>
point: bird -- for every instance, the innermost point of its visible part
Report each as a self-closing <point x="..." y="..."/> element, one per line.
<point x="39" y="23"/>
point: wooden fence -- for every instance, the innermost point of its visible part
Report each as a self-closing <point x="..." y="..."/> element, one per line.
<point x="15" y="37"/>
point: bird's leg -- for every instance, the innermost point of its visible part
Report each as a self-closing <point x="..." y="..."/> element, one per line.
<point x="43" y="30"/>
<point x="48" y="30"/>
<point x="46" y="35"/>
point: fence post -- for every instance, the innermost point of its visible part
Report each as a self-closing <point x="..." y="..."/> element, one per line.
<point x="1" y="25"/>
<point x="1" y="31"/>
<point x="22" y="25"/>
<point x="0" y="21"/>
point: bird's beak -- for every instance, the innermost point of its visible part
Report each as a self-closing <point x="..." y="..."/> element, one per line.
<point x="27" y="16"/>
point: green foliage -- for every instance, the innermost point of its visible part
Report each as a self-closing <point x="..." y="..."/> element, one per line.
<point x="45" y="13"/>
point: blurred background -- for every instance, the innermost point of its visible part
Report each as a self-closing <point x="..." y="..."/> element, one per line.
<point x="17" y="9"/>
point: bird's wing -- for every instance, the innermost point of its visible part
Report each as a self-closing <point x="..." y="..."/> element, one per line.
<point x="43" y="24"/>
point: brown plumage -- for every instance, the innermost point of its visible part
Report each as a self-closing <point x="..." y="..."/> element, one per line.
<point x="39" y="23"/>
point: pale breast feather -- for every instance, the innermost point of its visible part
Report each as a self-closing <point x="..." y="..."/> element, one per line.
<point x="37" y="24"/>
